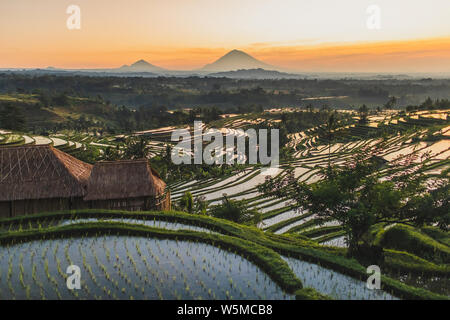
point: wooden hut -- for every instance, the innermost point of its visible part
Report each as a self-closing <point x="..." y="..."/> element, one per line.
<point x="42" y="179"/>
<point x="128" y="184"/>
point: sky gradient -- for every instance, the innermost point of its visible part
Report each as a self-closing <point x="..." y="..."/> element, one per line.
<point x="299" y="35"/>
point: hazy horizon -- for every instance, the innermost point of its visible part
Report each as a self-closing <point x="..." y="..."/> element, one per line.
<point x="306" y="36"/>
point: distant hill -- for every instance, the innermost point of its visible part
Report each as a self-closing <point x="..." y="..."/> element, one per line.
<point x="236" y="60"/>
<point x="60" y="110"/>
<point x="139" y="66"/>
<point x="256" y="74"/>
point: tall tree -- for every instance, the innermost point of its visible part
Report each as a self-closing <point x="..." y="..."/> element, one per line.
<point x="355" y="195"/>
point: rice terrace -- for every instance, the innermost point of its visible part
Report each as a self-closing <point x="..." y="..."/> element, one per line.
<point x="277" y="251"/>
<point x="301" y="171"/>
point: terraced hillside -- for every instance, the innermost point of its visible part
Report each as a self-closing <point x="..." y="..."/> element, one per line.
<point x="174" y="255"/>
<point x="291" y="254"/>
<point x="428" y="135"/>
<point x="416" y="133"/>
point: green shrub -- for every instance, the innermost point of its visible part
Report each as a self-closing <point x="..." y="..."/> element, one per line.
<point x="236" y="211"/>
<point x="411" y="240"/>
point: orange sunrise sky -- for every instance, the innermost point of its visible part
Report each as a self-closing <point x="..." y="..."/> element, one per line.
<point x="296" y="35"/>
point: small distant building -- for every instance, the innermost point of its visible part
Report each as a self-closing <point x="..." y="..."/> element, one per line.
<point x="43" y="179"/>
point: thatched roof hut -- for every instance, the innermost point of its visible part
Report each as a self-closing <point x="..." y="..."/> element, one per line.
<point x="41" y="178"/>
<point x="41" y="172"/>
<point x="123" y="179"/>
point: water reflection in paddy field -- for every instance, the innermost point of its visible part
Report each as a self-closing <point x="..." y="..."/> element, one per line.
<point x="118" y="267"/>
<point x="334" y="284"/>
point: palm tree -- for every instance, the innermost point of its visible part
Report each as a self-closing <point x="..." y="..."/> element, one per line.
<point x="111" y="153"/>
<point x="363" y="110"/>
<point x="137" y="148"/>
<point x="187" y="202"/>
<point x="331" y="122"/>
<point x="391" y="103"/>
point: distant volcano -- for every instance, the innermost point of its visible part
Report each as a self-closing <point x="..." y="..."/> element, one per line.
<point x="140" y="66"/>
<point x="236" y="60"/>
